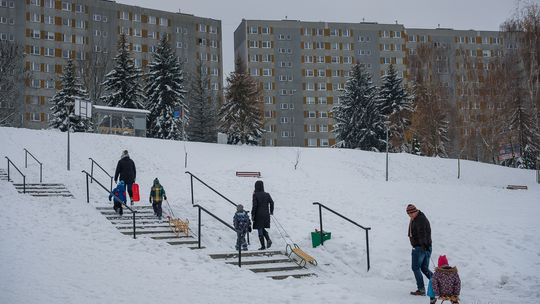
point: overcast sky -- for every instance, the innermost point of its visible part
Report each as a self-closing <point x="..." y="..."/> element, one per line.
<point x="456" y="14"/>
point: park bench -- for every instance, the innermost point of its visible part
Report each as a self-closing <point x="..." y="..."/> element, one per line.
<point x="248" y="174"/>
<point x="303" y="257"/>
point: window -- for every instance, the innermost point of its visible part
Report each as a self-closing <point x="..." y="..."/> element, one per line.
<point x="214" y="58"/>
<point x="310" y="87"/>
<point x="152" y="35"/>
<point x="386" y="60"/>
<point x="215" y="86"/>
<point x="266" y="44"/>
<point x="97" y="17"/>
<point x="152" y="20"/>
<point x="364" y="38"/>
<point x="312" y="114"/>
<point x="267" y="114"/>
<point x="423" y="38"/>
<point x="412" y="38"/>
<point x="136" y="18"/>
<point x="266" y="58"/>
<point x="66" y="22"/>
<point x="35" y="50"/>
<point x="202" y="28"/>
<point x="334" y="46"/>
<point x="307" y="45"/>
<point x="34" y="66"/>
<point x="66" y="6"/>
<point x="334" y="32"/>
<point x="163" y="21"/>
<point x="386" y="34"/>
<point x="324" y="142"/>
<point x="178" y="44"/>
<point x="49" y="52"/>
<point x="66" y="53"/>
<point x="397" y="47"/>
<point x="49" y="84"/>
<point x="34" y="18"/>
<point x="137" y="48"/>
<point x="267" y="86"/>
<point x="346" y="33"/>
<point x="321" y="73"/>
<point x="284" y="120"/>
<point x="67" y="38"/>
<point x="49" y="20"/>
<point x="253" y="30"/>
<point x="80" y="24"/>
<point x="321" y="86"/>
<point x="308" y="59"/>
<point x="322" y="100"/>
<point x="364" y="52"/>
<point x="347" y="47"/>
<point x="79" y="39"/>
<point x="79" y="8"/>
<point x="312" y="128"/>
<point x="485" y="40"/>
<point x="36" y="83"/>
<point x="253" y="44"/>
<point x="268" y="100"/>
<point x="212" y="29"/>
<point x="397" y="34"/>
<point x="267" y="72"/>
<point x="486" y="53"/>
<point x="312" y="142"/>
<point x="137" y="32"/>
<point x="309" y="73"/>
<point x="265" y="30"/>
<point x="124" y="15"/>
<point x="254" y="72"/>
<point x="386" y="47"/>
<point x="310" y="100"/>
<point x="49" y="68"/>
<point x="36" y="34"/>
<point x="285" y="133"/>
<point x="213" y="44"/>
<point x="35" y="116"/>
<point x="319" y="45"/>
<point x="323" y="114"/>
<point x="347" y="59"/>
<point x="335" y="59"/>
<point x="323" y="128"/>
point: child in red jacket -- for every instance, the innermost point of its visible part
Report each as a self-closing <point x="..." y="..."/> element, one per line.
<point x="446" y="282"/>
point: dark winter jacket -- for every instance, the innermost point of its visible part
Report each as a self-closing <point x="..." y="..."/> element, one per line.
<point x="263" y="207"/>
<point x="241" y="221"/>
<point x="126" y="170"/>
<point x="420" y="231"/>
<point x="446" y="282"/>
<point x="119" y="193"/>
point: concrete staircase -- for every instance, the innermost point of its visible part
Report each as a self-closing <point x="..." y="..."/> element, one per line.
<point x="44" y="190"/>
<point x="268" y="263"/>
<point x="3" y="175"/>
<point x="147" y="225"/>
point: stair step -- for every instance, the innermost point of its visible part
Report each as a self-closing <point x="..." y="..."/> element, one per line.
<point x="245" y="253"/>
<point x="294" y="274"/>
<point x="246" y="261"/>
<point x="287" y="266"/>
<point x="136" y="207"/>
<point x="139" y="212"/>
<point x="171" y="237"/>
<point x="141" y="227"/>
<point x="38" y="184"/>
<point x="128" y="216"/>
<point x="191" y="242"/>
<point x="41" y="191"/>
<point x="51" y="195"/>
<point x="120" y="221"/>
<point x="146" y="232"/>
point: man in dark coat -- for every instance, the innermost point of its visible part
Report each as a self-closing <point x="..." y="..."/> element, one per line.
<point x="125" y="169"/>
<point x="420" y="238"/>
<point x="263" y="207"/>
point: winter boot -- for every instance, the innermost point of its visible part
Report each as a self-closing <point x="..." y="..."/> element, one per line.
<point x="268" y="240"/>
<point x="261" y="239"/>
<point x="419" y="292"/>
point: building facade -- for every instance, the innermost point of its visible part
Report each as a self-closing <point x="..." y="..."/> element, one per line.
<point x="87" y="31"/>
<point x="303" y="65"/>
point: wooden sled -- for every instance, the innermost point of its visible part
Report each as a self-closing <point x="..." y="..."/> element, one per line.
<point x="303" y="258"/>
<point x="179" y="226"/>
<point x="451" y="299"/>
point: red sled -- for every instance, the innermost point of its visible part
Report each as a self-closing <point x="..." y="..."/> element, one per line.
<point x="135" y="190"/>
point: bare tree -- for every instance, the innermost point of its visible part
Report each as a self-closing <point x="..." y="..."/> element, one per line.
<point x="430" y="120"/>
<point x="93" y="70"/>
<point x="13" y="75"/>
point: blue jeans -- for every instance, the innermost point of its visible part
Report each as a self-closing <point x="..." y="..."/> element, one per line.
<point x="420" y="264"/>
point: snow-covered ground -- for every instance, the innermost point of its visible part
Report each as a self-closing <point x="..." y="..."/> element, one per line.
<point x="64" y="251"/>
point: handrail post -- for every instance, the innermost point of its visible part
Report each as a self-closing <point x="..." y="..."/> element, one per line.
<point x="92" y="168"/>
<point x="111" y="183"/>
<point x="320" y="220"/>
<point x="87" y="190"/>
<point x="8" y="169"/>
<point x="134" y="234"/>
<point x="192" y="200"/>
<point x="240" y="255"/>
<point x="40" y="173"/>
<point x="24" y="184"/>
<point x="367" y="248"/>
<point x="199" y="232"/>
<point x="25" y="158"/>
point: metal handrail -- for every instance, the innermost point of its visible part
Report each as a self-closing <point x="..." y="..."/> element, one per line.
<point x="26" y="152"/>
<point x="347" y="219"/>
<point x="110" y="193"/>
<point x="224" y="223"/>
<point x="24" y="176"/>
<point x="217" y="192"/>
<point x="99" y="166"/>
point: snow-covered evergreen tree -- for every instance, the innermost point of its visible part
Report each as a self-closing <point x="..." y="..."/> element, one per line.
<point x="359" y="123"/>
<point x="202" y="108"/>
<point x="63" y="109"/>
<point x="522" y="125"/>
<point x="240" y="116"/>
<point x="123" y="83"/>
<point x="166" y="94"/>
<point x="415" y="147"/>
<point x="396" y="107"/>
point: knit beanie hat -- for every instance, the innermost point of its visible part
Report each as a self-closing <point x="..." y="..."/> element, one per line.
<point x="125" y="154"/>
<point x="411" y="208"/>
<point x="443" y="261"/>
<point x="239" y="207"/>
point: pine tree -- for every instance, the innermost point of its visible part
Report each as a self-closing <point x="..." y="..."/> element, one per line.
<point x="202" y="119"/>
<point x="63" y="109"/>
<point x="166" y="94"/>
<point x="122" y="83"/>
<point x="240" y="116"/>
<point x="396" y="107"/>
<point x="359" y="123"/>
<point x="522" y="125"/>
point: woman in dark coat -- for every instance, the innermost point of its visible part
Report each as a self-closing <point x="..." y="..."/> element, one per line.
<point x="263" y="207"/>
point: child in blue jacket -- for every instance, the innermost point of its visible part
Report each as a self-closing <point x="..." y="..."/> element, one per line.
<point x="242" y="224"/>
<point x="119" y="194"/>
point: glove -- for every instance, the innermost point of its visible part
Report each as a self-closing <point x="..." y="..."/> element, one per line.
<point x="165" y="197"/>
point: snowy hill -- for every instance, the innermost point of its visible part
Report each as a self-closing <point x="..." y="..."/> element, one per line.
<point x="61" y="250"/>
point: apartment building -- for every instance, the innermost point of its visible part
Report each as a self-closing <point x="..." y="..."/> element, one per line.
<point x="303" y="65"/>
<point x="87" y="31"/>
